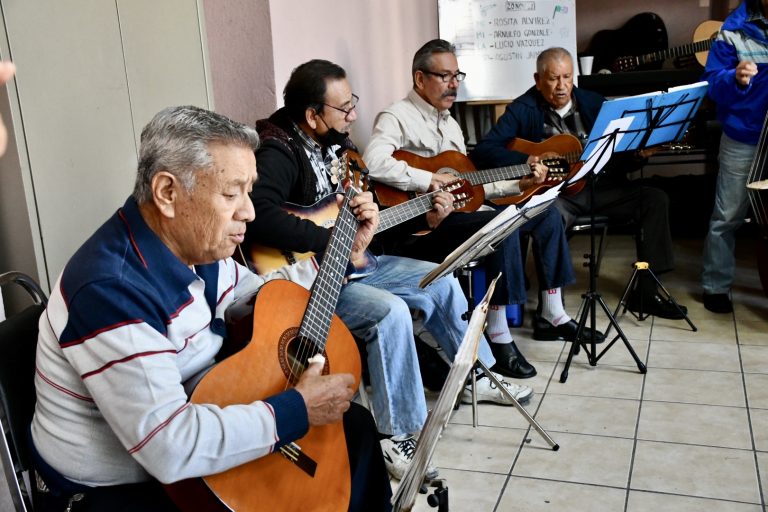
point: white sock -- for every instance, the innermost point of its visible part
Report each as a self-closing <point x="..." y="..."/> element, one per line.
<point x="552" y="307"/>
<point x="498" y="330"/>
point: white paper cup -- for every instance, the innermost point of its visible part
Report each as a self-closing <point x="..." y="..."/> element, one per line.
<point x="585" y="63"/>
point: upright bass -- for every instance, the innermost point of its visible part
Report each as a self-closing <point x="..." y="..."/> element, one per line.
<point x="757" y="191"/>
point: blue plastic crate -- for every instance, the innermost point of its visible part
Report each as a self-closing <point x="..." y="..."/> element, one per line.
<point x="514" y="311"/>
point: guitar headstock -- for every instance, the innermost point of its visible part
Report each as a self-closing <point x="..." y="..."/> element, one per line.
<point x="624" y="64"/>
<point x="557" y="165"/>
<point x="461" y="190"/>
<point x="355" y="169"/>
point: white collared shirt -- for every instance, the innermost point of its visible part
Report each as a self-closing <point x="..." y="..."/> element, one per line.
<point x="414" y="125"/>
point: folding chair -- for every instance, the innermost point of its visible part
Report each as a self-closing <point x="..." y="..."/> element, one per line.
<point x="18" y="342"/>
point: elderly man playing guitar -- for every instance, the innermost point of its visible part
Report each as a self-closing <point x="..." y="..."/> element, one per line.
<point x="135" y="322"/>
<point x="298" y="163"/>
<point x="554" y="107"/>
<point x="421" y="124"/>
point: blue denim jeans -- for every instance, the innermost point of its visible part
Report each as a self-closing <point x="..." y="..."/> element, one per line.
<point x="727" y="215"/>
<point x="376" y="308"/>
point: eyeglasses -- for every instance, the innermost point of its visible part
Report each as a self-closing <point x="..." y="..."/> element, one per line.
<point x="352" y="106"/>
<point x="447" y="77"/>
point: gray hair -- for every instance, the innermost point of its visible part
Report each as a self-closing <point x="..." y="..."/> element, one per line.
<point x="177" y="140"/>
<point x="555" y="53"/>
<point x="422" y="59"/>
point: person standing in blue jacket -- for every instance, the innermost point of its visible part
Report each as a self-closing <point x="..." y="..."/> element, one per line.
<point x="737" y="72"/>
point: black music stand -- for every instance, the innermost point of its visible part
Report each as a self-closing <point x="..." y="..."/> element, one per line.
<point x="486" y="240"/>
<point x="626" y="124"/>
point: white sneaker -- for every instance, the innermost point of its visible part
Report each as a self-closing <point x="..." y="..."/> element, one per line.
<point x="488" y="392"/>
<point x="398" y="455"/>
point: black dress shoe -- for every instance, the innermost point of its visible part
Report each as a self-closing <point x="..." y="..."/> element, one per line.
<point x="545" y="331"/>
<point x="718" y="302"/>
<point x="656" y="305"/>
<point x="510" y="362"/>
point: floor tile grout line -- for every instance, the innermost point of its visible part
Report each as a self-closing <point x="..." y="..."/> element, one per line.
<point x="637" y="420"/>
<point x="749" y="413"/>
<point x="527" y="433"/>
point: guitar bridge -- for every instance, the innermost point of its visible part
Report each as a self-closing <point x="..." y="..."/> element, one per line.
<point x="293" y="453"/>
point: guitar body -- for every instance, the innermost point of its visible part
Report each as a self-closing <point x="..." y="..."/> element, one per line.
<point x="563" y="144"/>
<point x="262" y="369"/>
<point x="323" y="213"/>
<point x="706" y="31"/>
<point x="447" y="162"/>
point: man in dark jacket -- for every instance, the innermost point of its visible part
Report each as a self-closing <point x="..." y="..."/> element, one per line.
<point x="298" y="163"/>
<point x="553" y="106"/>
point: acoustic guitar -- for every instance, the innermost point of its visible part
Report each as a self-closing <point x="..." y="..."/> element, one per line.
<point x="324" y="212"/>
<point x="567" y="147"/>
<point x="459" y="165"/>
<point x="703" y="37"/>
<point x="288" y="325"/>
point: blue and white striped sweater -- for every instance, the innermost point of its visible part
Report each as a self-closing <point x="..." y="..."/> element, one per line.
<point x="127" y="324"/>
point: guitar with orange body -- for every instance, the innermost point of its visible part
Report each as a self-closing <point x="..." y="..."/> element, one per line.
<point x="566" y="147"/>
<point x="286" y="326"/>
<point x="459" y="165"/>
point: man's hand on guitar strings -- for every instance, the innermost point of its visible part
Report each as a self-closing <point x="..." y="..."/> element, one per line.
<point x="442" y="206"/>
<point x="327" y="397"/>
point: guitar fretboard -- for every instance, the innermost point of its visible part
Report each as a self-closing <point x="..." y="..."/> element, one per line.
<point x="327" y="286"/>
<point x="510" y="172"/>
<point x="405" y="211"/>
<point x="678" y="51"/>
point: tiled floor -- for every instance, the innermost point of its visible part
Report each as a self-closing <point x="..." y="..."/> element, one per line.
<point x="689" y="435"/>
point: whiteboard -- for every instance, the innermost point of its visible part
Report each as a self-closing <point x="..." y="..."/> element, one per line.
<point x="497" y="41"/>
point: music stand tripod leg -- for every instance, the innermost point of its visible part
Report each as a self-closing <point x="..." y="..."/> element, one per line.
<point x="589" y="308"/>
<point x="672" y="299"/>
<point x="519" y="407"/>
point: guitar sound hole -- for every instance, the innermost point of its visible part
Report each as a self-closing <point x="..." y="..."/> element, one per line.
<point x="294" y="352"/>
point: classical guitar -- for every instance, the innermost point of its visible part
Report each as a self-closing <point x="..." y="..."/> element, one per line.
<point x="567" y="147"/>
<point x="703" y="37"/>
<point x="323" y="213"/>
<point x="288" y="325"/>
<point x="459" y="165"/>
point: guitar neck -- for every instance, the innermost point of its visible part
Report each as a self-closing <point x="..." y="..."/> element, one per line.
<point x="510" y="172"/>
<point x="404" y="211"/>
<point x="677" y="51"/>
<point x="327" y="286"/>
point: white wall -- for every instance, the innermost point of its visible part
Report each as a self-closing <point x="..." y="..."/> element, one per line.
<point x="373" y="40"/>
<point x="89" y="76"/>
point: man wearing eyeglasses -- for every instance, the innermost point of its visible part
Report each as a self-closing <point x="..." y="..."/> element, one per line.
<point x="297" y="163"/>
<point x="422" y="124"/>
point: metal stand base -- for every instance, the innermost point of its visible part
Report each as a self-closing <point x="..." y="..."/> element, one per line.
<point x="467" y="271"/>
<point x="588" y="309"/>
<point x="636" y="282"/>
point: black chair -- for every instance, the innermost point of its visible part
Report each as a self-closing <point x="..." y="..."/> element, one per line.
<point x="18" y="342"/>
